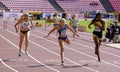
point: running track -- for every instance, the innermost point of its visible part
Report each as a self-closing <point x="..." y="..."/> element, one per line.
<point x="44" y="53"/>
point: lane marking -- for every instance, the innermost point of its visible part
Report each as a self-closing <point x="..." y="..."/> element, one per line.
<point x="76" y="51"/>
<point x="55" y="53"/>
<point x="7" y="65"/>
<point x="84" y="45"/>
<point x="29" y="54"/>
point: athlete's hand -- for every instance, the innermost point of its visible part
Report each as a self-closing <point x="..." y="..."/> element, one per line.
<point x="16" y="30"/>
<point x="32" y="27"/>
<point x="89" y="26"/>
<point x="77" y="35"/>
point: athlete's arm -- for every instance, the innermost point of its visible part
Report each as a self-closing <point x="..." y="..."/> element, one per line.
<point x="72" y="30"/>
<point x="31" y="23"/>
<point x="103" y="26"/>
<point x="70" y="23"/>
<point x="19" y="21"/>
<point x="54" y="28"/>
<point x="89" y="26"/>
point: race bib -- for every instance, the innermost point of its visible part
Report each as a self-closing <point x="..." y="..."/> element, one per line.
<point x="25" y="26"/>
<point x="63" y="33"/>
<point x="97" y="29"/>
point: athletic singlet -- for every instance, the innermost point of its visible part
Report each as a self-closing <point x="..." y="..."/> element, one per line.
<point x="97" y="29"/>
<point x="25" y="26"/>
<point x="56" y="20"/>
<point x="62" y="31"/>
<point x="74" y="22"/>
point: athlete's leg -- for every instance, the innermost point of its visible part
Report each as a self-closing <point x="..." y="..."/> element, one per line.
<point x="67" y="41"/>
<point x="74" y="34"/>
<point x="26" y="41"/>
<point x="96" y="43"/>
<point x="96" y="46"/>
<point x="61" y="49"/>
<point x="76" y="30"/>
<point x="100" y="40"/>
<point x="20" y="43"/>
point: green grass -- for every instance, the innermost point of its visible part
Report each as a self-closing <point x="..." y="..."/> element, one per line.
<point x="82" y="23"/>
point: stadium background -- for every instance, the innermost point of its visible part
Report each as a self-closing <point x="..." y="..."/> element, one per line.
<point x="44" y="52"/>
<point x="35" y="7"/>
<point x="38" y="10"/>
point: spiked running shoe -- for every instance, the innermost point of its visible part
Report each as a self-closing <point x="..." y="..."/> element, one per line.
<point x="19" y="53"/>
<point x="26" y="52"/>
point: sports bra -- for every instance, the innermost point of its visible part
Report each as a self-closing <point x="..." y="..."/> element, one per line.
<point x="25" y="26"/>
<point x="62" y="31"/>
<point x="74" y="22"/>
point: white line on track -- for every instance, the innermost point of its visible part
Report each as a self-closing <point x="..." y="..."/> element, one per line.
<point x="85" y="46"/>
<point x="77" y="51"/>
<point x="8" y="66"/>
<point x="29" y="55"/>
<point x="14" y="66"/>
<point x="93" y="48"/>
<point x="55" y="53"/>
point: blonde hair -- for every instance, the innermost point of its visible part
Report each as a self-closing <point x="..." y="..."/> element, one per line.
<point x="62" y="19"/>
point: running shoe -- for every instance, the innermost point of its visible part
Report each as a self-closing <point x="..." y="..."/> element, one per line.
<point x="19" y="53"/>
<point x="62" y="63"/>
<point x="26" y="52"/>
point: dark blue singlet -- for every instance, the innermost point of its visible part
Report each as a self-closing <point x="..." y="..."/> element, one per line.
<point x="62" y="31"/>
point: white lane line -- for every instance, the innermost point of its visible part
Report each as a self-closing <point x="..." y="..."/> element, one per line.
<point x="87" y="46"/>
<point x="77" y="51"/>
<point x="64" y="57"/>
<point x="84" y="45"/>
<point x="93" y="48"/>
<point x="7" y="65"/>
<point x="56" y="53"/>
<point x="29" y="55"/>
<point x="89" y="38"/>
<point x="14" y="66"/>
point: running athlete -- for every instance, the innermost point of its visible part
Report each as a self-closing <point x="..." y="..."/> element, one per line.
<point x="97" y="33"/>
<point x="61" y="28"/>
<point x="47" y="21"/>
<point x="25" y="24"/>
<point x="74" y="24"/>
<point x="56" y="19"/>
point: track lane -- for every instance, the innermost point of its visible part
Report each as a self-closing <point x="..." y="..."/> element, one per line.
<point x="108" y="63"/>
<point x="43" y="67"/>
<point x="79" y="64"/>
<point x="89" y="65"/>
